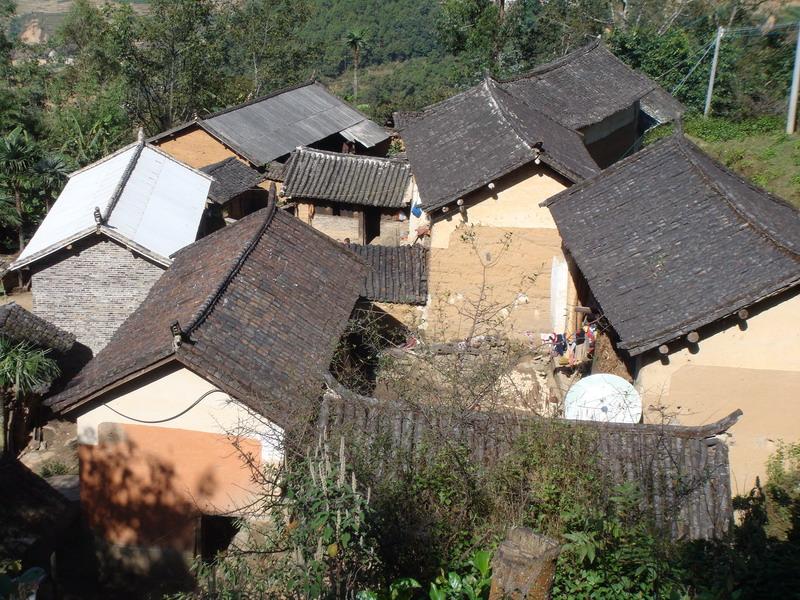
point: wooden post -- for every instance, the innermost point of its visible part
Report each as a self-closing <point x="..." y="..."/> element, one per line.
<point x="524" y="566"/>
<point x="791" y="120"/>
<point x="713" y="76"/>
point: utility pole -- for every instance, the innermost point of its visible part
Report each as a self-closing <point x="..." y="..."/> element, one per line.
<point x="792" y="118"/>
<point x="713" y="76"/>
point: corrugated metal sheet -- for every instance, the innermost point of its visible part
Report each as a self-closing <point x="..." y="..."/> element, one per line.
<point x="366" y="133"/>
<point x="158" y="206"/>
<point x="269" y="128"/>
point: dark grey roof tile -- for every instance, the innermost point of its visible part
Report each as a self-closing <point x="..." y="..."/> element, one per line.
<point x="261" y="305"/>
<point x="669" y="240"/>
<point x="231" y="178"/>
<point x="347" y="178"/>
<point x="18" y="325"/>
<point x="397" y="274"/>
<point x="477" y="136"/>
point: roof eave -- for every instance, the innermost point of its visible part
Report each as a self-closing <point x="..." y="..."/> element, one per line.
<point x="637" y="347"/>
<point x="71" y="406"/>
<point x="103" y="229"/>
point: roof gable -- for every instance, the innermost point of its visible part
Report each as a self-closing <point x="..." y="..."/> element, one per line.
<point x="260" y="305"/>
<point x="477" y="136"/>
<point x="670" y="240"/>
<point x="143" y="195"/>
<point x="347" y="178"/>
<point x="582" y="88"/>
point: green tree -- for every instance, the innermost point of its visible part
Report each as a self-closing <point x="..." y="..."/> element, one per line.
<point x="51" y="173"/>
<point x="24" y="369"/>
<point x="356" y="40"/>
<point x="268" y="49"/>
<point x="17" y="160"/>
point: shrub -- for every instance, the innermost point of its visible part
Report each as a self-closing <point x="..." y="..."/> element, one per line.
<point x="54" y="467"/>
<point x="616" y="553"/>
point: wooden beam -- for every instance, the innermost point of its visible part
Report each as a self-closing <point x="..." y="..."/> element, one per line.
<point x="693" y="337"/>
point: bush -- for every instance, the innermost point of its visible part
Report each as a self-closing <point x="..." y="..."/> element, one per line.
<point x="717" y="129"/>
<point x="616" y="553"/>
<point x="54" y="467"/>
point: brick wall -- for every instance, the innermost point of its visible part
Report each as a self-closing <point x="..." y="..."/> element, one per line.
<point x="91" y="289"/>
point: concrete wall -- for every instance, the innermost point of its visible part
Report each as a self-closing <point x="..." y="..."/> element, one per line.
<point x="756" y="369"/>
<point x="507" y="217"/>
<point x="195" y="148"/>
<point x="145" y="484"/>
<point x="91" y="289"/>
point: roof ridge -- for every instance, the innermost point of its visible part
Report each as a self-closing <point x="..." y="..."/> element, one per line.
<point x="100" y="161"/>
<point x="349" y="156"/>
<point x="682" y="143"/>
<point x="258" y="99"/>
<point x="126" y="175"/>
<point x="555" y="63"/>
<point x="609" y="171"/>
<point x="207" y="306"/>
<point x="488" y="84"/>
<point x="545" y="156"/>
<point x="168" y="156"/>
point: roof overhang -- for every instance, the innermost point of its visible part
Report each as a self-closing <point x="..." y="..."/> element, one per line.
<point x="99" y="230"/>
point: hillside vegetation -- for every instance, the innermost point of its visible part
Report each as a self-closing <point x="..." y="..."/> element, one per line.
<point x="758" y="148"/>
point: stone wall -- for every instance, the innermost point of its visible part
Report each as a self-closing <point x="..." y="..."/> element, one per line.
<point x="92" y="288"/>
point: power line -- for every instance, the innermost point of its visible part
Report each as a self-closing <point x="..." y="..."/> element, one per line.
<point x="692" y="70"/>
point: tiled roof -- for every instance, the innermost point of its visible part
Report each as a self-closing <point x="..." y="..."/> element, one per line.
<point x="275" y="171"/>
<point x="583" y="87"/>
<point x="231" y="178"/>
<point x="347" y="178"/>
<point x="260" y="304"/>
<point x="397" y="274"/>
<point x="18" y="324"/>
<point x="669" y="240"/>
<point x="271" y="126"/>
<point x="479" y="135"/>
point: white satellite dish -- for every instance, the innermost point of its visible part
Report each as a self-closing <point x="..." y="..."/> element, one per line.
<point x="604" y="397"/>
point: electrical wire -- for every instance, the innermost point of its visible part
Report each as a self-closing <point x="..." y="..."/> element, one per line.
<point x="692" y="70"/>
<point x="180" y="414"/>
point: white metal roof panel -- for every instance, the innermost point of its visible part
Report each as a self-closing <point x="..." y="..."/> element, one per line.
<point x="162" y="203"/>
<point x="73" y="211"/>
<point x="158" y="209"/>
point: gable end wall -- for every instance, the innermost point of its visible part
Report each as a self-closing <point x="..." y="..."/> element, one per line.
<point x="91" y="289"/>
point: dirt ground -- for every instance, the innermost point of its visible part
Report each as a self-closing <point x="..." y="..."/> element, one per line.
<point x="24" y="299"/>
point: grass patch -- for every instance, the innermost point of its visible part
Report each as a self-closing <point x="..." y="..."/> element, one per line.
<point x="54" y="467"/>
